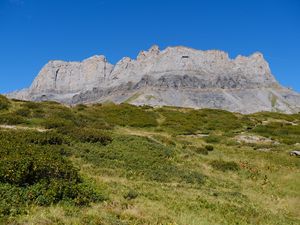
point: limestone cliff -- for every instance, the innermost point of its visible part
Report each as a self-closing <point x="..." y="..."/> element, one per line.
<point x="176" y="76"/>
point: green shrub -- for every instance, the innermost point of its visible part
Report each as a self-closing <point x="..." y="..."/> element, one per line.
<point x="80" y="107"/>
<point x="209" y="148"/>
<point x="123" y="115"/>
<point x="130" y="195"/>
<point x="190" y="122"/>
<point x="135" y="157"/>
<point x="32" y="105"/>
<point x="193" y="177"/>
<point x="224" y="166"/>
<point x="279" y="131"/>
<point x="38" y="113"/>
<point x="24" y="112"/>
<point x="11" y="119"/>
<point x="28" y="165"/>
<point x="37" y="174"/>
<point x="4" y="103"/>
<point x="46" y="138"/>
<point x="90" y="135"/>
<point x="212" y="139"/>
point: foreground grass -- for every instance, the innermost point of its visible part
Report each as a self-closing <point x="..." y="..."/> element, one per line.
<point x="153" y="166"/>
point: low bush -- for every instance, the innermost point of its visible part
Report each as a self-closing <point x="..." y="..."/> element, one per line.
<point x="202" y="150"/>
<point x="130" y="195"/>
<point x="282" y="132"/>
<point x="193" y="177"/>
<point x="124" y="115"/>
<point x="51" y="123"/>
<point x="212" y="139"/>
<point x="37" y="174"/>
<point x="225" y="166"/>
<point x="90" y="135"/>
<point x="209" y="148"/>
<point x="24" y="112"/>
<point x="136" y="158"/>
<point x="38" y="113"/>
<point x="27" y="165"/>
<point x="32" y="105"/>
<point x="80" y="107"/>
<point x="4" y="103"/>
<point x="191" y="122"/>
<point x="11" y="119"/>
<point x="46" y="138"/>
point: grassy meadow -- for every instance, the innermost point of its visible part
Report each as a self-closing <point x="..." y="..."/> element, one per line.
<point x="113" y="164"/>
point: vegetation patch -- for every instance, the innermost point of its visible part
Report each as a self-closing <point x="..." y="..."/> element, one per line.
<point x="35" y="174"/>
<point x="136" y="158"/>
<point x="282" y="132"/>
<point x="90" y="135"/>
<point x="4" y="103"/>
<point x="11" y="119"/>
<point x="160" y="168"/>
<point x="225" y="166"/>
<point x="124" y="115"/>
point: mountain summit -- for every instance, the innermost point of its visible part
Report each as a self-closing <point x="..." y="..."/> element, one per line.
<point x="175" y="76"/>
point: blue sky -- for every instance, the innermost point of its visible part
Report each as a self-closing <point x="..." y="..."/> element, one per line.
<point x="32" y="32"/>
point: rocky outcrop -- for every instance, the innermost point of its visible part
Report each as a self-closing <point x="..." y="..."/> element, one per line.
<point x="176" y="76"/>
<point x="71" y="77"/>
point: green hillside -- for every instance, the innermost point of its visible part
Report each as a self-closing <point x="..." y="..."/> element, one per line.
<point x="124" y="165"/>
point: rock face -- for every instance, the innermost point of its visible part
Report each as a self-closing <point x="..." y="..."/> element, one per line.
<point x="176" y="76"/>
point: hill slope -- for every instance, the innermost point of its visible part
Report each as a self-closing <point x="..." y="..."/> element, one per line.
<point x="143" y="165"/>
<point x="177" y="76"/>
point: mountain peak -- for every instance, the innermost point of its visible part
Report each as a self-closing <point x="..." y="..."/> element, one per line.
<point x="177" y="76"/>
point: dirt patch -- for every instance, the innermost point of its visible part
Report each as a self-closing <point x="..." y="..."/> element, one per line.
<point x="22" y="128"/>
<point x="254" y="139"/>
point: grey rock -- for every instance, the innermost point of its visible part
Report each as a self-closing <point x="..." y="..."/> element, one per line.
<point x="295" y="153"/>
<point x="177" y="76"/>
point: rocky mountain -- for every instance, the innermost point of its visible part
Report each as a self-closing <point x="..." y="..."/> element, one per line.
<point x="175" y="76"/>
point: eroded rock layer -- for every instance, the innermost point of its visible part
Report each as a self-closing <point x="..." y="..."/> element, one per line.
<point x="176" y="76"/>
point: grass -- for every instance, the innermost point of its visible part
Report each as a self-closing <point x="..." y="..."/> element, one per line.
<point x="149" y="165"/>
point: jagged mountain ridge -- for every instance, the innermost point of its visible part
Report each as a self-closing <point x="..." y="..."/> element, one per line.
<point x="175" y="76"/>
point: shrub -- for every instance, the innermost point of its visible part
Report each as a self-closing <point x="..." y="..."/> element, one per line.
<point x="4" y="103"/>
<point x="124" y="115"/>
<point x="209" y="148"/>
<point x="35" y="174"/>
<point x="51" y="123"/>
<point x="32" y="105"/>
<point x="194" y="121"/>
<point x="46" y="138"/>
<point x="28" y="165"/>
<point x="282" y="132"/>
<point x="193" y="177"/>
<point x="137" y="157"/>
<point x="24" y="112"/>
<point x="38" y="113"/>
<point x="11" y="119"/>
<point x="80" y="107"/>
<point x="130" y="195"/>
<point x="90" y="135"/>
<point x="224" y="166"/>
<point x="212" y="139"/>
